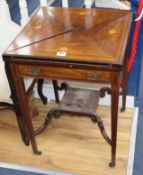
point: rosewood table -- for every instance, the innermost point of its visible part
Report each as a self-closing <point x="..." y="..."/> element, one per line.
<point x="70" y="44"/>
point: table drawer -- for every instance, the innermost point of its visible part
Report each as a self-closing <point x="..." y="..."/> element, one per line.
<point x="69" y="73"/>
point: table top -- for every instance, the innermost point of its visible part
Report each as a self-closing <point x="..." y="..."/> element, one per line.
<point x="69" y="34"/>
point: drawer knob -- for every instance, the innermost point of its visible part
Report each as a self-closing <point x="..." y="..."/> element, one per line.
<point x="93" y="76"/>
<point x="33" y="71"/>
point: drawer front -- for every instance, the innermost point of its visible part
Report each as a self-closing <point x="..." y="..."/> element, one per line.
<point x="69" y="73"/>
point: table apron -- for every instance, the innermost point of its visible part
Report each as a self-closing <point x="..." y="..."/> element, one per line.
<point x="70" y="73"/>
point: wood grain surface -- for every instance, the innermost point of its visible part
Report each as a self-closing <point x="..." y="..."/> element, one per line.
<point x="94" y="35"/>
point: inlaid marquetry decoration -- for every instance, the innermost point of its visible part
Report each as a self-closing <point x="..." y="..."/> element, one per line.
<point x="72" y="30"/>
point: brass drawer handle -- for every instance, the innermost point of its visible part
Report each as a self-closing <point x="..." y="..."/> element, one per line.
<point x="93" y="76"/>
<point x="33" y="71"/>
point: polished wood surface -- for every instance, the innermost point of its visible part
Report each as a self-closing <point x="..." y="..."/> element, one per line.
<point x="70" y="44"/>
<point x="57" y="72"/>
<point x="69" y="144"/>
<point x="97" y="35"/>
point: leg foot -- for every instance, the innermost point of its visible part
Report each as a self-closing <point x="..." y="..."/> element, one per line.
<point x="111" y="164"/>
<point x="123" y="109"/>
<point x="39" y="152"/>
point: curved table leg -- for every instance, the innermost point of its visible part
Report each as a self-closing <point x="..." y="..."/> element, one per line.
<point x="56" y="113"/>
<point x="101" y="127"/>
<point x="46" y="122"/>
<point x="55" y="86"/>
<point x="40" y="91"/>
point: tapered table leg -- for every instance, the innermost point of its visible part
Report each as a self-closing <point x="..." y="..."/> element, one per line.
<point x="20" y="100"/>
<point x="124" y="85"/>
<point x="114" y="116"/>
<point x="16" y="107"/>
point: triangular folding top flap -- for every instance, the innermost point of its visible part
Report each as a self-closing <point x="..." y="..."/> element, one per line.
<point x="103" y="32"/>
